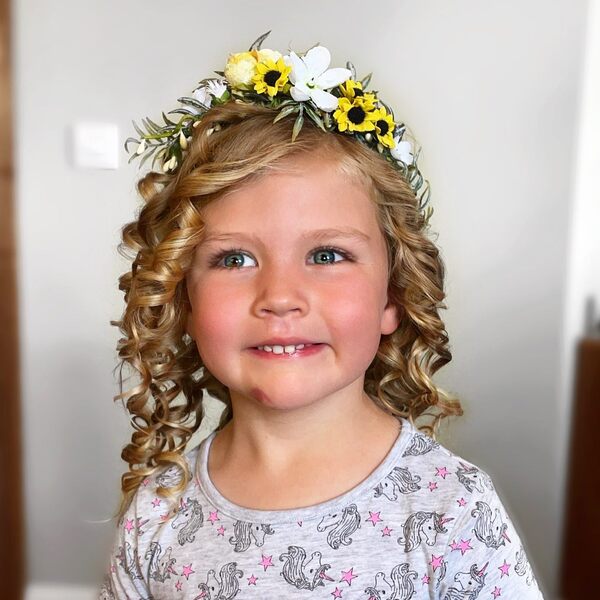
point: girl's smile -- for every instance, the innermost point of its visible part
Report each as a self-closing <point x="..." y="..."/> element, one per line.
<point x="288" y="289"/>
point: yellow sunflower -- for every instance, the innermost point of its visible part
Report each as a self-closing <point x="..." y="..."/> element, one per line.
<point x="358" y="114"/>
<point x="271" y="77"/>
<point x="351" y="89"/>
<point x="384" y="127"/>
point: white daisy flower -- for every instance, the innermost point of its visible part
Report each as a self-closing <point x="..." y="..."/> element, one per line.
<point x="310" y="77"/>
<point x="402" y="151"/>
<point x="213" y="88"/>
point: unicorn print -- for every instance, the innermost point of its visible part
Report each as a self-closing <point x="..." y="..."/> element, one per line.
<point x="129" y="562"/>
<point x="225" y="587"/>
<point x="420" y="444"/>
<point x="473" y="479"/>
<point x="422" y="526"/>
<point x="441" y="574"/>
<point x="161" y="564"/>
<point x="401" y="586"/>
<point x="341" y="526"/>
<point x="244" y="533"/>
<point x="468" y="584"/>
<point x="188" y="520"/>
<point x="492" y="532"/>
<point x="399" y="480"/>
<point x="303" y="574"/>
<point x="523" y="568"/>
<point x="170" y="478"/>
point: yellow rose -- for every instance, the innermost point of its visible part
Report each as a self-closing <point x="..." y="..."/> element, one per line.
<point x="268" y="55"/>
<point x="240" y="69"/>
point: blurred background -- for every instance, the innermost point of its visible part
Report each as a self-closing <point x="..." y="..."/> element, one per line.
<point x="502" y="95"/>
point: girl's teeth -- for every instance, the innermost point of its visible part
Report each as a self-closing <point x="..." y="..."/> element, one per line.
<point x="276" y="349"/>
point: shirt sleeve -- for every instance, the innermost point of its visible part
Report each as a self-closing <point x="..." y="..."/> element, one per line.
<point x="485" y="557"/>
<point x="125" y="579"/>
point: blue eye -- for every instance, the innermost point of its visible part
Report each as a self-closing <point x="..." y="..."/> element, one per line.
<point x="234" y="258"/>
<point x="323" y="253"/>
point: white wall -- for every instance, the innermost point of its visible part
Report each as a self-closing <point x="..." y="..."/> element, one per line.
<point x="491" y="89"/>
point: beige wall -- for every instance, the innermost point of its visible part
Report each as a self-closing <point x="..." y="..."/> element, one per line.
<point x="491" y="90"/>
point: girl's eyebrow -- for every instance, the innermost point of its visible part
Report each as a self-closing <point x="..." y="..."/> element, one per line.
<point x="315" y="234"/>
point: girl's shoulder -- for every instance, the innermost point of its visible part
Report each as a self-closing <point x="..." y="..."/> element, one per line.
<point x="425" y="456"/>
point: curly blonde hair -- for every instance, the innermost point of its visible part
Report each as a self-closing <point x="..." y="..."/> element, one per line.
<point x="230" y="145"/>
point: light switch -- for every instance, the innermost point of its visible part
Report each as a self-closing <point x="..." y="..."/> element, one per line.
<point x="96" y="145"/>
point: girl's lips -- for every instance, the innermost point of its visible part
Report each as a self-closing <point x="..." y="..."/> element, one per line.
<point x="306" y="351"/>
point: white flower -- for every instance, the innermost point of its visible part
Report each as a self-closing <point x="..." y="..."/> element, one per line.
<point x="311" y="76"/>
<point x="213" y="88"/>
<point x="402" y="151"/>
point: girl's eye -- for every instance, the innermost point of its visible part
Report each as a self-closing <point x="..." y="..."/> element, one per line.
<point x="325" y="253"/>
<point x="234" y="258"/>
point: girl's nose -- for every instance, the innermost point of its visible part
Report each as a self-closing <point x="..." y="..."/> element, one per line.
<point x="280" y="290"/>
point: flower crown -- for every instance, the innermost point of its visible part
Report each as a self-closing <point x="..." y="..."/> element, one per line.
<point x="302" y="85"/>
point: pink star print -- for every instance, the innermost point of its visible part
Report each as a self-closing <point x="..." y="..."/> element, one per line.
<point x="436" y="561"/>
<point x="464" y="546"/>
<point x="156" y="502"/>
<point x="146" y="482"/>
<point x="221" y="530"/>
<point x="462" y="502"/>
<point x="442" y="472"/>
<point x="213" y="516"/>
<point x="386" y="531"/>
<point x="337" y="593"/>
<point x="128" y="525"/>
<point x="252" y="580"/>
<point x="432" y="486"/>
<point x="497" y="592"/>
<point x="348" y="576"/>
<point x="266" y="562"/>
<point x="178" y="586"/>
<point x="187" y="571"/>
<point x="504" y="569"/>
<point x="374" y="517"/>
<point x="164" y="517"/>
<point x="425" y="579"/>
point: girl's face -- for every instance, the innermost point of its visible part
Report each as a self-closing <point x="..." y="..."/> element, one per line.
<point x="290" y="258"/>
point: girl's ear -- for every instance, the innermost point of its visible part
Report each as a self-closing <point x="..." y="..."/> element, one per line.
<point x="390" y="319"/>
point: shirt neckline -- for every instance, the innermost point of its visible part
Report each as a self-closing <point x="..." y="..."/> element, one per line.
<point x="304" y="513"/>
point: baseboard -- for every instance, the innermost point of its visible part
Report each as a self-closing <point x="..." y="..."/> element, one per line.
<point x="54" y="591"/>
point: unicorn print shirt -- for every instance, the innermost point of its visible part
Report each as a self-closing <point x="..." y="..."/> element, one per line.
<point x="425" y="524"/>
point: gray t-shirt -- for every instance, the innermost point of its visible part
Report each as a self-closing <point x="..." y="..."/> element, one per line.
<point x="425" y="524"/>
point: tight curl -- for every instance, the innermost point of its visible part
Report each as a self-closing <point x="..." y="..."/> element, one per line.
<point x="232" y="144"/>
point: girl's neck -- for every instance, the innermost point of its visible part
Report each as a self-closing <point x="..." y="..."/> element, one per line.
<point x="292" y="463"/>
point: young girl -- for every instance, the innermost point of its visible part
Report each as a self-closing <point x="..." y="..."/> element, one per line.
<point x="281" y="264"/>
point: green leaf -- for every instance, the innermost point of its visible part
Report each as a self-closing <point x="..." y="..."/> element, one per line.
<point x="192" y="102"/>
<point x="159" y="128"/>
<point x="182" y="111"/>
<point x="350" y="66"/>
<point x="284" y="112"/>
<point x="167" y="120"/>
<point x="139" y="131"/>
<point x="297" y="126"/>
<point x="150" y="127"/>
<point x="258" y="42"/>
<point x="315" y="117"/>
<point x="366" y="80"/>
<point x="146" y="156"/>
<point x="130" y="140"/>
